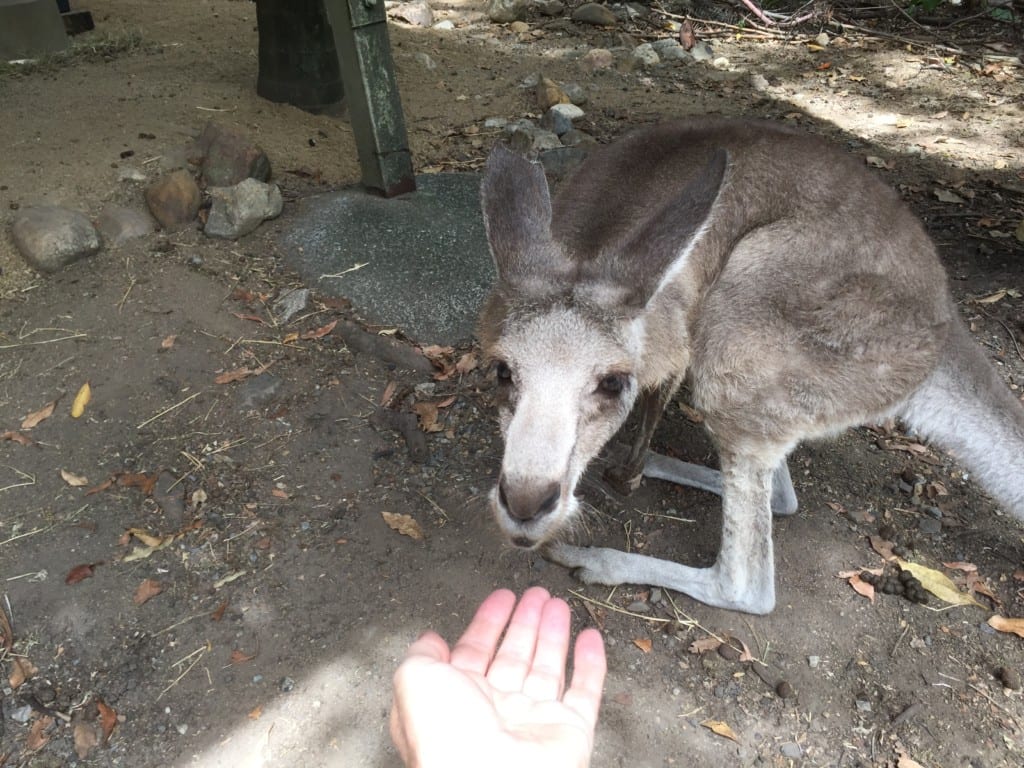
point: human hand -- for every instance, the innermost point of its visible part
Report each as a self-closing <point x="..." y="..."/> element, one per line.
<point x="481" y="705"/>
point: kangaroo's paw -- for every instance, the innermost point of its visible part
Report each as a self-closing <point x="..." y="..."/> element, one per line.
<point x="624" y="479"/>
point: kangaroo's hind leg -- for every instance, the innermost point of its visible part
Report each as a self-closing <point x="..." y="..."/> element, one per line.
<point x="783" y="500"/>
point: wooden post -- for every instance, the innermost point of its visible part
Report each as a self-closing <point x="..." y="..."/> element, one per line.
<point x="371" y="94"/>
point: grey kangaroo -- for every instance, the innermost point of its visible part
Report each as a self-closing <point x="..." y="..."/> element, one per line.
<point x="792" y="289"/>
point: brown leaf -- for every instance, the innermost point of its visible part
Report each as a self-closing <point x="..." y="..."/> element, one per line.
<point x="256" y="713"/>
<point x="34" y="418"/>
<point x="144" y="482"/>
<point x="149" y="588"/>
<point x="704" y="645"/>
<point x="218" y="612"/>
<point x="468" y="362"/>
<point x="428" y="417"/>
<point x="320" y="332"/>
<point x="241" y="657"/>
<point x="37" y="736"/>
<point x="108" y="719"/>
<point x="80" y="573"/>
<point x="278" y="493"/>
<point x="101" y="487"/>
<point x="253" y="318"/>
<point x="85" y="739"/>
<point x="692" y="414"/>
<point x="687" y="38"/>
<point x="860" y="586"/>
<point x="1004" y="624"/>
<point x="75" y="481"/>
<point x="234" y="375"/>
<point x="404" y="524"/>
<point x="147" y="538"/>
<point x="168" y="341"/>
<point x="721" y="728"/>
<point x="16" y="437"/>
<point x="644" y="644"/>
<point x="290" y="338"/>
<point x="882" y="547"/>
<point x="21" y="670"/>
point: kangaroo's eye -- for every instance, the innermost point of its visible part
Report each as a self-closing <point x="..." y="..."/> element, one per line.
<point x="612" y="384"/>
<point x="503" y="372"/>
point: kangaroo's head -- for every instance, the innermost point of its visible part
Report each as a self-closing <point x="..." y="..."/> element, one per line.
<point x="566" y="338"/>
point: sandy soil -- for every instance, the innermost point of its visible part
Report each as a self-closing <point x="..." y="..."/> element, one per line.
<point x="285" y="599"/>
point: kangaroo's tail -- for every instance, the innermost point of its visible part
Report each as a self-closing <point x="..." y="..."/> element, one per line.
<point x="966" y="408"/>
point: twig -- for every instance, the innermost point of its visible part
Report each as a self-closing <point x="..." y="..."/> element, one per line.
<point x="47" y="341"/>
<point x="616" y="609"/>
<point x="995" y="703"/>
<point x="201" y="651"/>
<point x="30" y="481"/>
<point x="165" y="411"/>
<point x="27" y="534"/>
<point x="353" y="268"/>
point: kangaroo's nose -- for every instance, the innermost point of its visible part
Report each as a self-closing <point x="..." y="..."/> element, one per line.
<point x="528" y="501"/>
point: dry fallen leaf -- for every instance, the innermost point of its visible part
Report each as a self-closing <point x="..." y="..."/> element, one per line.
<point x="34" y="418"/>
<point x="644" y="644"/>
<point x="234" y="375"/>
<point x="319" y="333"/>
<point x="905" y="761"/>
<point x="168" y="342"/>
<point x="85" y="739"/>
<point x="81" y="400"/>
<point x="404" y="524"/>
<point x="21" y="670"/>
<point x="290" y="338"/>
<point x="80" y="573"/>
<point x="860" y="586"/>
<point x="241" y="657"/>
<point x="704" y="644"/>
<point x="467" y="363"/>
<point x="721" y="728"/>
<point x="108" y="719"/>
<point x="428" y="417"/>
<point x="142" y="481"/>
<point x="37" y="736"/>
<point x="1003" y="624"/>
<point x="149" y="588"/>
<point x="76" y="481"/>
<point x="16" y="437"/>
<point x="256" y="713"/>
<point x="218" y="612"/>
<point x="938" y="584"/>
<point x="882" y="547"/>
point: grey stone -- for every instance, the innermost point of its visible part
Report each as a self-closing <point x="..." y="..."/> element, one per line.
<point x="445" y="25"/>
<point x="549" y="7"/>
<point x="238" y="210"/>
<point x="929" y="526"/>
<point x="670" y="50"/>
<point x="533" y="139"/>
<point x="645" y="55"/>
<point x="418" y="13"/>
<point x="50" y="237"/>
<point x="424" y="60"/>
<point x="258" y="390"/>
<point x="597" y="58"/>
<point x="118" y="224"/>
<point x="290" y="303"/>
<point x="759" y="82"/>
<point x="576" y="138"/>
<point x="577" y="93"/>
<point x="721" y="63"/>
<point x="561" y="161"/>
<point x="592" y="13"/>
<point x="505" y="11"/>
<point x="493" y="123"/>
<point x="791" y="750"/>
<point x="558" y="118"/>
<point x="702" y="51"/>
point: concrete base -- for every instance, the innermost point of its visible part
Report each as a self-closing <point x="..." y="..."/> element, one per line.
<point x="30" y="28"/>
<point x="427" y="265"/>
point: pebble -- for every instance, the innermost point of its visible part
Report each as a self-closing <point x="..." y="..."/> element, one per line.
<point x="576" y="93"/>
<point x="863" y="705"/>
<point x="290" y="303"/>
<point x="720" y="63"/>
<point x="784" y="690"/>
<point x="646" y="56"/>
<point x="173" y="199"/>
<point x="592" y="13"/>
<point x="505" y="11"/>
<point x="286" y="685"/>
<point x="130" y="173"/>
<point x="21" y="714"/>
<point x="424" y="60"/>
<point x="446" y="25"/>
<point x="929" y="526"/>
<point x="227" y="156"/>
<point x="1010" y="678"/>
<point x="549" y="7"/>
<point x="50" y="237"/>
<point x="791" y="750"/>
<point x="822" y="39"/>
<point x="533" y="139"/>
<point x="417" y="13"/>
<point x="257" y="391"/>
<point x="813" y="661"/>
<point x="597" y="59"/>
<point x="576" y="138"/>
<point x="560" y="161"/>
<point x="638" y="606"/>
<point x="759" y="82"/>
<point x="238" y="210"/>
<point x="119" y="224"/>
<point x="519" y="27"/>
<point x="702" y="51"/>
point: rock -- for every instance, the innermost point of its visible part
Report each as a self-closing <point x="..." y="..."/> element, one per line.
<point x="50" y="237"/>
<point x="446" y="25"/>
<point x="929" y="526"/>
<point x="257" y="391"/>
<point x="1009" y="677"/>
<point x="519" y="27"/>
<point x="173" y="199"/>
<point x="576" y="93"/>
<point x="791" y="750"/>
<point x="633" y="11"/>
<point x="550" y="93"/>
<point x="549" y="7"/>
<point x="424" y="60"/>
<point x="645" y="56"/>
<point x="559" y="118"/>
<point x="290" y="303"/>
<point x="495" y="123"/>
<point x="130" y="173"/>
<point x="238" y="210"/>
<point x="227" y="155"/>
<point x="118" y="224"/>
<point x="418" y="13"/>
<point x="506" y="11"/>
<point x="577" y="138"/>
<point x="669" y="49"/>
<point x="759" y="82"/>
<point x="592" y="13"/>
<point x="702" y="51"/>
<point x="597" y="59"/>
<point x="720" y="63"/>
<point x="533" y="139"/>
<point x="822" y="39"/>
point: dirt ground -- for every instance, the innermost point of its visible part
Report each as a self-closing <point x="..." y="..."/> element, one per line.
<point x="285" y="600"/>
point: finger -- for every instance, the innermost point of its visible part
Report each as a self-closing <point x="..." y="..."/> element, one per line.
<point x="398" y="736"/>
<point x="589" y="667"/>
<point x="512" y="662"/>
<point x="475" y="649"/>
<point x="546" y="677"/>
<point x="429" y="645"/>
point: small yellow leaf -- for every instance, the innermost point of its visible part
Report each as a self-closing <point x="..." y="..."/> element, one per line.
<point x="1003" y="624"/>
<point x="938" y="584"/>
<point x="74" y="480"/>
<point x="721" y="728"/>
<point x="404" y="524"/>
<point x="81" y="400"/>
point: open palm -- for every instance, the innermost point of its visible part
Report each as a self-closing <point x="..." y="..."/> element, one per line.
<point x="481" y="704"/>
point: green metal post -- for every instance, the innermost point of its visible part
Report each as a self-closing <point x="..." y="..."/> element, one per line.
<point x="371" y="93"/>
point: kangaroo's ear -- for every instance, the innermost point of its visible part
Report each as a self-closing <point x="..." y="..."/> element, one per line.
<point x="516" y="205"/>
<point x="660" y="249"/>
